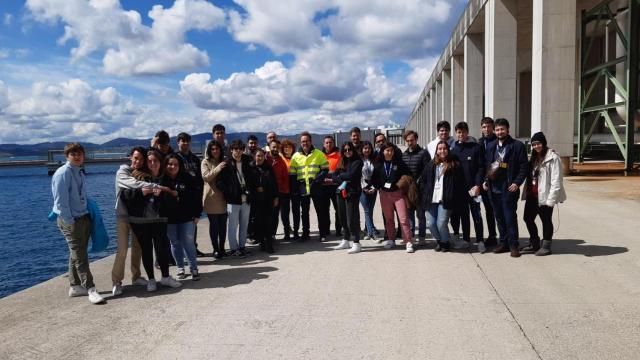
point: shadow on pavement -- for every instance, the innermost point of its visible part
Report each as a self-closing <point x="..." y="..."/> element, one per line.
<point x="578" y="247"/>
<point x="225" y="278"/>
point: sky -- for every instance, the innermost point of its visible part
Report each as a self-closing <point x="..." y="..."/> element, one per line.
<point x="78" y="70"/>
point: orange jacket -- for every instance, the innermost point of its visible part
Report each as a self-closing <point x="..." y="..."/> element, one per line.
<point x="333" y="159"/>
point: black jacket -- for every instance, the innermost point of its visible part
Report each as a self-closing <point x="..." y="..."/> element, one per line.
<point x="380" y="178"/>
<point x="353" y="176"/>
<point x="263" y="187"/>
<point x="453" y="186"/>
<point x="189" y="201"/>
<point x="515" y="157"/>
<point x="191" y="165"/>
<point x="471" y="157"/>
<point x="484" y="141"/>
<point x="416" y="161"/>
<point x="229" y="184"/>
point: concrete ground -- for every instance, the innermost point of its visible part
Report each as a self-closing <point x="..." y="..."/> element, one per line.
<point x="310" y="302"/>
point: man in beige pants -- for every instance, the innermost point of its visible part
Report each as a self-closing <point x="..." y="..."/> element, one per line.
<point x="125" y="180"/>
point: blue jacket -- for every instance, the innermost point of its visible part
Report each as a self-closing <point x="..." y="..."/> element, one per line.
<point x="69" y="193"/>
<point x="515" y="157"/>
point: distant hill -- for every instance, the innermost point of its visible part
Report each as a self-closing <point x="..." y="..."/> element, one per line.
<point x="199" y="142"/>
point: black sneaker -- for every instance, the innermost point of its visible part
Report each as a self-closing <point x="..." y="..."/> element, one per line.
<point x="200" y="253"/>
<point x="237" y="254"/>
<point x="195" y="276"/>
<point x="244" y="251"/>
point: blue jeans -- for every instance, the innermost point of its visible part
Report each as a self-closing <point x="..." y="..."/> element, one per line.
<point x="438" y="222"/>
<point x="181" y="237"/>
<point x="368" y="202"/>
<point x="422" y="222"/>
<point x="504" y="206"/>
<point x="238" y="224"/>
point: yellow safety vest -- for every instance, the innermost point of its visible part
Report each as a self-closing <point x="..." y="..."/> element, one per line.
<point x="307" y="167"/>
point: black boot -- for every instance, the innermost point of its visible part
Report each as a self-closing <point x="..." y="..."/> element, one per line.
<point x="287" y="236"/>
<point x="545" y="249"/>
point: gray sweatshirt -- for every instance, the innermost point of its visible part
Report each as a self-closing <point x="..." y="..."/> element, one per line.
<point x="124" y="180"/>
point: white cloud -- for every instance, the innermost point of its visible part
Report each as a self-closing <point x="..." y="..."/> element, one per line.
<point x="130" y="47"/>
<point x="70" y="108"/>
<point x="4" y="96"/>
<point x="7" y="19"/>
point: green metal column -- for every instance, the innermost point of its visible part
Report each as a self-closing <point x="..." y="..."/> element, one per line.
<point x="631" y="66"/>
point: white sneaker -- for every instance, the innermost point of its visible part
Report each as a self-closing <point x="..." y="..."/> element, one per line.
<point x="323" y="239"/>
<point x="170" y="282"/>
<point x="117" y="290"/>
<point x="94" y="296"/>
<point x="389" y="244"/>
<point x="355" y="248"/>
<point x="481" y="248"/>
<point x="77" y="290"/>
<point x="140" y="281"/>
<point x="344" y="244"/>
<point x="151" y="285"/>
<point x="410" y="247"/>
<point x="422" y="241"/>
<point x="367" y="237"/>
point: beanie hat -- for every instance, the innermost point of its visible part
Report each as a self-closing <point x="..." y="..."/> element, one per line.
<point x="539" y="137"/>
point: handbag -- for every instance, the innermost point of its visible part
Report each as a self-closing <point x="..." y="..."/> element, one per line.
<point x="495" y="169"/>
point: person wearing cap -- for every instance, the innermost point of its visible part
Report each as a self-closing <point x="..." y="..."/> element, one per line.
<point x="161" y="142"/>
<point x="507" y="167"/>
<point x="543" y="190"/>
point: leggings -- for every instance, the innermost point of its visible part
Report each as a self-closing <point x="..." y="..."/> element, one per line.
<point x="152" y="236"/>
<point x="531" y="211"/>
<point x="218" y="231"/>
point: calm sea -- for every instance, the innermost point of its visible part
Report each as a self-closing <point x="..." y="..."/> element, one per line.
<point x="32" y="249"/>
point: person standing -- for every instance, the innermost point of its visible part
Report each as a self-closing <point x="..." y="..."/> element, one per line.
<point x="250" y="151"/>
<point x="125" y="180"/>
<point x="263" y="199"/>
<point x="214" y="204"/>
<point x="308" y="169"/>
<point x="369" y="192"/>
<point x="470" y="154"/>
<point x="443" y="189"/>
<point x="281" y="172"/>
<point x="184" y="216"/>
<point x="271" y="136"/>
<point x="69" y="192"/>
<point x="416" y="159"/>
<point x="507" y="168"/>
<point x="386" y="175"/>
<point x="218" y="133"/>
<point x="356" y="139"/>
<point x="332" y="153"/>
<point x="348" y="177"/>
<point x="444" y="134"/>
<point x="146" y="208"/>
<point x="191" y="165"/>
<point x="488" y="136"/>
<point x="161" y="142"/>
<point x="288" y="148"/>
<point x="234" y="184"/>
<point x="543" y="190"/>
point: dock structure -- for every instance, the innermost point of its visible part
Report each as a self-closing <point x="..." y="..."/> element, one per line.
<point x="568" y="68"/>
<point x="308" y="301"/>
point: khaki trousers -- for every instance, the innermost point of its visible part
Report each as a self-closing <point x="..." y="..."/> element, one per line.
<point x="77" y="236"/>
<point x="117" y="273"/>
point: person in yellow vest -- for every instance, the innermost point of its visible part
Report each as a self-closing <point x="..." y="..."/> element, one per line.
<point x="307" y="171"/>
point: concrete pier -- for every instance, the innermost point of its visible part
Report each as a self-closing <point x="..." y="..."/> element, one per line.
<point x="310" y="302"/>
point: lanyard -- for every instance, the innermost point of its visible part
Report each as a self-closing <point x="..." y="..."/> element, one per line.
<point x="387" y="169"/>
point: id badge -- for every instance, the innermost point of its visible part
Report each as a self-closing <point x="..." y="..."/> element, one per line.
<point x="437" y="185"/>
<point x="387" y="185"/>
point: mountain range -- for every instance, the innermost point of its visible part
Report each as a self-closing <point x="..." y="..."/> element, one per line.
<point x="198" y="142"/>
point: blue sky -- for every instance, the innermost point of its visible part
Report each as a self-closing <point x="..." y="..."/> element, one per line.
<point x="101" y="69"/>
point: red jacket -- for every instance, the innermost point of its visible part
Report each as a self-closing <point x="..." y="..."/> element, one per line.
<point x="281" y="171"/>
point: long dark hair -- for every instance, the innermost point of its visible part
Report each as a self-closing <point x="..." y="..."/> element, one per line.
<point x="344" y="161"/>
<point x="210" y="146"/>
<point x="536" y="160"/>
<point x="449" y="161"/>
<point x="397" y="154"/>
<point x="173" y="156"/>
<point x="364" y="144"/>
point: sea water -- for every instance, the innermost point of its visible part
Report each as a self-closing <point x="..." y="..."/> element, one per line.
<point x="32" y="249"/>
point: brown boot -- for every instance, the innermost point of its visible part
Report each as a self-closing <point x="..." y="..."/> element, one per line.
<point x="515" y="252"/>
<point x="501" y="249"/>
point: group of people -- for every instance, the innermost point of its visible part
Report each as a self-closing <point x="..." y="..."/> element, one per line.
<point x="246" y="191"/>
